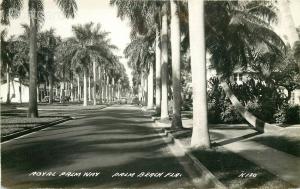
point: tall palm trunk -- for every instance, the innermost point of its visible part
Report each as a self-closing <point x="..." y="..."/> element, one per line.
<point x="175" y="46"/>
<point x="140" y="94"/>
<point x="62" y="92"/>
<point x="107" y="89"/>
<point x="103" y="92"/>
<point x="8" y="85"/>
<point x="258" y="124"/>
<point x="146" y="89"/>
<point x="38" y="92"/>
<point x="85" y="75"/>
<point x="94" y="83"/>
<point x="72" y="91"/>
<point x="33" y="106"/>
<point x="164" y="66"/>
<point x="200" y="135"/>
<point x="20" y="91"/>
<point x="50" y="89"/>
<point x="119" y="89"/>
<point x="157" y="72"/>
<point x="150" y="87"/>
<point x="78" y="87"/>
<point x="113" y="90"/>
<point x="89" y="79"/>
<point x="142" y="88"/>
<point x="100" y="85"/>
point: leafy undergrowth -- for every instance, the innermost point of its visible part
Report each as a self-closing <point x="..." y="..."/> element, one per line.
<point x="228" y="166"/>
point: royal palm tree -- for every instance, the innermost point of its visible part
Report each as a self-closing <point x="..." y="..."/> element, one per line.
<point x="10" y="10"/>
<point x="48" y="43"/>
<point x="145" y="16"/>
<point x="164" y="115"/>
<point x="176" y="79"/>
<point x="88" y="46"/>
<point x="8" y="52"/>
<point x="200" y="136"/>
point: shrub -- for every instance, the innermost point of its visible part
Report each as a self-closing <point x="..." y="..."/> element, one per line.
<point x="230" y="114"/>
<point x="293" y="114"/>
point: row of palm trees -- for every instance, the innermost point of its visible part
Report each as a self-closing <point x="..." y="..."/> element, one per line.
<point x="59" y="60"/>
<point x="91" y="53"/>
<point x="52" y="59"/>
<point x="12" y="9"/>
<point x="235" y="33"/>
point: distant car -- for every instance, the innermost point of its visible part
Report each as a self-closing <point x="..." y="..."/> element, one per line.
<point x="135" y="100"/>
<point x="45" y="99"/>
<point x="123" y="100"/>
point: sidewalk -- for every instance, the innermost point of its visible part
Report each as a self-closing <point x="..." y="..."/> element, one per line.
<point x="250" y="145"/>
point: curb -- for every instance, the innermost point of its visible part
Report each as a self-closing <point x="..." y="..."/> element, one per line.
<point x="30" y="130"/>
<point x="205" y="173"/>
<point x="198" y="165"/>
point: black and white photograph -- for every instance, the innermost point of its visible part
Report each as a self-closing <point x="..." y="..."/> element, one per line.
<point x="150" y="94"/>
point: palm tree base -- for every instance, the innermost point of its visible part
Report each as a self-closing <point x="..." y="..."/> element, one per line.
<point x="176" y="122"/>
<point x="164" y="120"/>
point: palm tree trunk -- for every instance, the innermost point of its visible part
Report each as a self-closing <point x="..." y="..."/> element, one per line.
<point x="38" y="92"/>
<point x="85" y="75"/>
<point x="20" y="91"/>
<point x="257" y="124"/>
<point x="142" y="88"/>
<point x="62" y="92"/>
<point x="56" y="92"/>
<point x="89" y="79"/>
<point x="50" y="89"/>
<point x="150" y="87"/>
<point x="103" y="92"/>
<point x="119" y="89"/>
<point x="8" y="85"/>
<point x="200" y="135"/>
<point x="78" y="87"/>
<point x="175" y="46"/>
<point x="94" y="84"/>
<point x="100" y="85"/>
<point x="157" y="72"/>
<point x="140" y="94"/>
<point x="113" y="90"/>
<point x="146" y="89"/>
<point x="33" y="106"/>
<point x="107" y="89"/>
<point x="164" y="66"/>
<point x="72" y="92"/>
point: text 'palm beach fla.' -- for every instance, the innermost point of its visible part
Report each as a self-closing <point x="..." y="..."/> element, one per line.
<point x="114" y="175"/>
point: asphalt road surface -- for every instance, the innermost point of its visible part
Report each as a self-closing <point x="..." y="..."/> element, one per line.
<point x="111" y="148"/>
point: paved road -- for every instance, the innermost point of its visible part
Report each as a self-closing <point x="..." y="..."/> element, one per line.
<point x="117" y="139"/>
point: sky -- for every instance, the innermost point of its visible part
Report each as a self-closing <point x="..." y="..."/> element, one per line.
<point x="97" y="11"/>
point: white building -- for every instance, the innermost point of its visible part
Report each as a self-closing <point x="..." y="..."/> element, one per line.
<point x="19" y="93"/>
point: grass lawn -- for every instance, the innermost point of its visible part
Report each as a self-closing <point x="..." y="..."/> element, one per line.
<point x="227" y="166"/>
<point x="287" y="140"/>
<point x="14" y="116"/>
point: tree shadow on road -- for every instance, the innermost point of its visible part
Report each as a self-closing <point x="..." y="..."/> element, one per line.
<point x="115" y="144"/>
